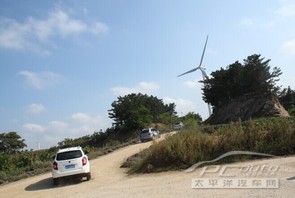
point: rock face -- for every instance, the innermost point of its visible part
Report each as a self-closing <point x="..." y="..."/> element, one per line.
<point x="246" y="107"/>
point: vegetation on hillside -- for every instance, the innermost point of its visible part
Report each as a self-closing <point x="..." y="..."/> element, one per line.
<point x="266" y="135"/>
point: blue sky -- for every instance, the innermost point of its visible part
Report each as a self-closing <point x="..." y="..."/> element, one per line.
<point x="62" y="63"/>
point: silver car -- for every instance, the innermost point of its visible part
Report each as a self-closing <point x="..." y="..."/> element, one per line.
<point x="149" y="134"/>
<point x="178" y="125"/>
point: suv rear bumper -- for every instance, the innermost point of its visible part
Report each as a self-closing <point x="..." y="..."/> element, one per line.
<point x="72" y="175"/>
<point x="58" y="174"/>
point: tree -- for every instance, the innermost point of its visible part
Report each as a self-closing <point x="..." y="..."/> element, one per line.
<point x="251" y="77"/>
<point x="194" y="116"/>
<point x="287" y="98"/>
<point x="138" y="110"/>
<point x="11" y="142"/>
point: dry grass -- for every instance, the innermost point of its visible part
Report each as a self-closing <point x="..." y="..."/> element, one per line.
<point x="268" y="135"/>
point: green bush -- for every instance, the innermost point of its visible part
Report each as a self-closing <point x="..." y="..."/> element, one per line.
<point x="6" y="163"/>
<point x="15" y="166"/>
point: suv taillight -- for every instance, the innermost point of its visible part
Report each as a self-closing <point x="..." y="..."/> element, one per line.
<point x="84" y="161"/>
<point x="55" y="166"/>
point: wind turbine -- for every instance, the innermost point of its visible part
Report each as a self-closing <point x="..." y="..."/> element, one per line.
<point x="202" y="69"/>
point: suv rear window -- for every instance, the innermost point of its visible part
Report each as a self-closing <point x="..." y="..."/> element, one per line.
<point x="68" y="155"/>
<point x="145" y="131"/>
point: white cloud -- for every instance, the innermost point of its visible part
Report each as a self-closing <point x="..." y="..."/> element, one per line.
<point x="35" y="128"/>
<point x="58" y="126"/>
<point x="50" y="140"/>
<point x="289" y="47"/>
<point x="192" y="84"/>
<point x="122" y="91"/>
<point x="98" y="28"/>
<point x="142" y="87"/>
<point x="11" y="34"/>
<point x="183" y="106"/>
<point x="35" y="108"/>
<point x="287" y="10"/>
<point x="77" y="125"/>
<point x="82" y="118"/>
<point x="148" y="86"/>
<point x="87" y="123"/>
<point x="32" y="33"/>
<point x="41" y="80"/>
<point x="247" y="22"/>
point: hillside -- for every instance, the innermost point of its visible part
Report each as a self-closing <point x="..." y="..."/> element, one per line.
<point x="246" y="107"/>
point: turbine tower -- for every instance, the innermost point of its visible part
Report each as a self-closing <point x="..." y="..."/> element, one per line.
<point x="202" y="69"/>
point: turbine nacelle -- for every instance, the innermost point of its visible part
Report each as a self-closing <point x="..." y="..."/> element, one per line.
<point x="201" y="68"/>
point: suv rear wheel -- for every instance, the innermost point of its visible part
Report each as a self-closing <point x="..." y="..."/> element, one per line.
<point x="56" y="181"/>
<point x="88" y="176"/>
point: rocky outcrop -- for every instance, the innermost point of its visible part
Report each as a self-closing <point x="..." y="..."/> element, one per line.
<point x="246" y="107"/>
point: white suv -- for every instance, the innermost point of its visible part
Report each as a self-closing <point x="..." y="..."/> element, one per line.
<point x="70" y="162"/>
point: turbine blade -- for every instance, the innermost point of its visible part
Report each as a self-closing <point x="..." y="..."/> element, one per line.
<point x="203" y="51"/>
<point x="188" y="72"/>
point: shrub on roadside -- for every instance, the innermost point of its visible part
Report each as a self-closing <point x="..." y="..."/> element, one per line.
<point x="16" y="166"/>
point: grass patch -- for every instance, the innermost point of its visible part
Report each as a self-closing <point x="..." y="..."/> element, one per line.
<point x="267" y="135"/>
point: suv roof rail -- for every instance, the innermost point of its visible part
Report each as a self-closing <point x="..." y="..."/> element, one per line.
<point x="72" y="147"/>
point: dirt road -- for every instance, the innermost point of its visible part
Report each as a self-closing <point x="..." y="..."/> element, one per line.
<point x="109" y="180"/>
